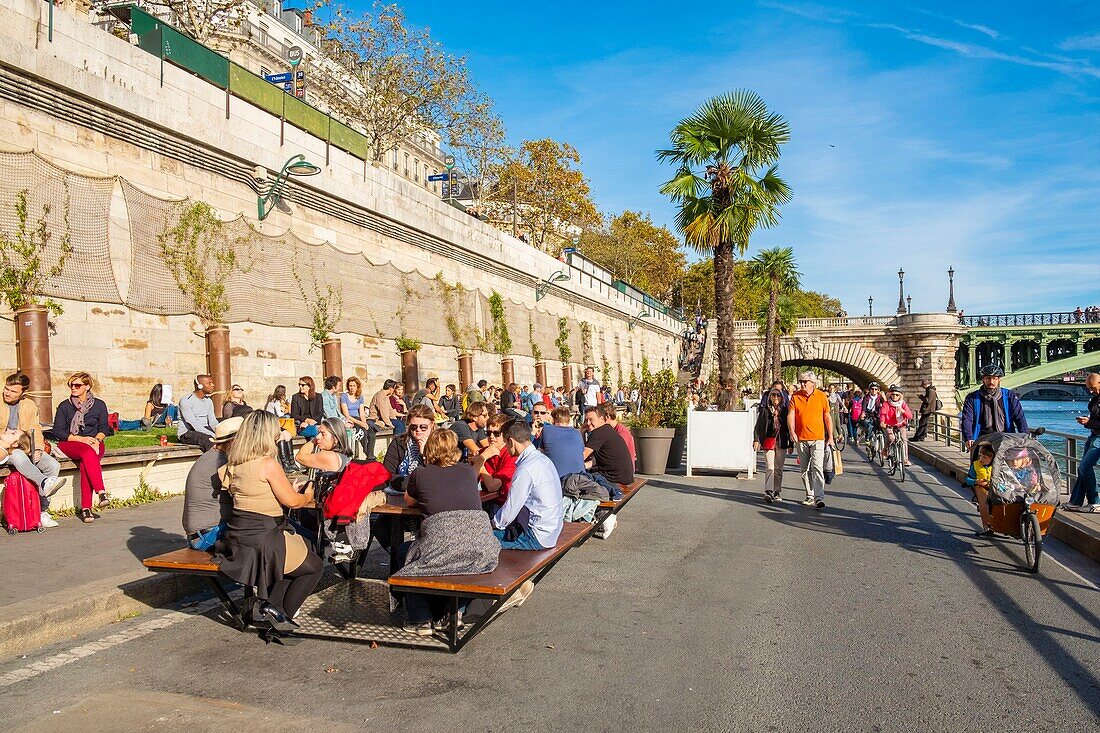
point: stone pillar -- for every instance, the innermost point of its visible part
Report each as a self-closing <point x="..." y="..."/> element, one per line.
<point x="927" y="343"/>
<point x="410" y="372"/>
<point x="332" y="359"/>
<point x="32" y="354"/>
<point x="540" y="373"/>
<point x="1041" y="339"/>
<point x="507" y="372"/>
<point x="465" y="372"/>
<point x="217" y="363"/>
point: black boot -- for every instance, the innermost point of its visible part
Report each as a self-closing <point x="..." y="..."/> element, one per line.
<point x="286" y="457"/>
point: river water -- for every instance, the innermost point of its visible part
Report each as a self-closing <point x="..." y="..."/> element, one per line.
<point x="1058" y="416"/>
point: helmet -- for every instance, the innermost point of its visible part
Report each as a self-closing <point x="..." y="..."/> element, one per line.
<point x="872" y="385"/>
<point x="992" y="370"/>
<point x="894" y="388"/>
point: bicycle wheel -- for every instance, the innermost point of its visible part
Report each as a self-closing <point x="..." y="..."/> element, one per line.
<point x="901" y="462"/>
<point x="880" y="449"/>
<point x="1033" y="540"/>
<point x="841" y="437"/>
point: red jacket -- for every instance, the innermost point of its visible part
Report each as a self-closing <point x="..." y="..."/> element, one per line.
<point x="889" y="416"/>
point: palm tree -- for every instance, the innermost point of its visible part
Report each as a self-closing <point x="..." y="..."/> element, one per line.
<point x="731" y="137"/>
<point x="775" y="270"/>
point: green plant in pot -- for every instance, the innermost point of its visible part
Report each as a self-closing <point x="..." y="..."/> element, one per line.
<point x="655" y="425"/>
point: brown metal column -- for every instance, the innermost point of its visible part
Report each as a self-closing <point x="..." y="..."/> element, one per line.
<point x="32" y="349"/>
<point x="465" y="372"/>
<point x="217" y="363"/>
<point x="332" y="359"/>
<point x="410" y="372"/>
<point x="540" y="373"/>
<point x="507" y="373"/>
<point x="567" y="377"/>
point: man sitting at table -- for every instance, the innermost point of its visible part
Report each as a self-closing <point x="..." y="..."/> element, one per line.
<point x="606" y="454"/>
<point x="562" y="443"/>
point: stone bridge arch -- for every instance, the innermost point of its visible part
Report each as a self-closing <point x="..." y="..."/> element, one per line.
<point x="855" y="361"/>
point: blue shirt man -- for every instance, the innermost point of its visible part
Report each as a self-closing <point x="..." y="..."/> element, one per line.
<point x="534" y="498"/>
<point x="564" y="446"/>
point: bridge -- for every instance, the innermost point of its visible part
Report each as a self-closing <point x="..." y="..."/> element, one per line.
<point x="940" y="347"/>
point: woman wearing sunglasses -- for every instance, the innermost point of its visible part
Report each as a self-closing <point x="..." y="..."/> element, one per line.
<point x="405" y="452"/>
<point x="79" y="427"/>
<point x="495" y="466"/>
<point x="306" y="407"/>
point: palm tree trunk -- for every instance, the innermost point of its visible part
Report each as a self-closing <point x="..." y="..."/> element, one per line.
<point x="777" y="356"/>
<point x="771" y="343"/>
<point x="723" y="310"/>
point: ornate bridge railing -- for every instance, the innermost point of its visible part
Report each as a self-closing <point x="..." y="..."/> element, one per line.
<point x="809" y="324"/>
<point x="1029" y="319"/>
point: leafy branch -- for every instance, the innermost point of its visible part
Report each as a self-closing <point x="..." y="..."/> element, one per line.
<point x="499" y="336"/>
<point x="451" y="296"/>
<point x="201" y="255"/>
<point x="23" y="274"/>
<point x="536" y="350"/>
<point x="562" y="341"/>
<point x="586" y="342"/>
<point x="325" y="306"/>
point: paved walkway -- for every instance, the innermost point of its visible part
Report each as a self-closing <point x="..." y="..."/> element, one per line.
<point x="705" y="610"/>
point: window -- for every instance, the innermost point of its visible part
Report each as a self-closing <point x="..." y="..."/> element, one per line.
<point x="416" y="170"/>
<point x="406" y="165"/>
<point x="277" y="8"/>
<point x="264" y="71"/>
<point x="263" y="35"/>
<point x="395" y="158"/>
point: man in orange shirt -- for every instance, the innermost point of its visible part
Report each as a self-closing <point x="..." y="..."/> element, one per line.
<point x="811" y="427"/>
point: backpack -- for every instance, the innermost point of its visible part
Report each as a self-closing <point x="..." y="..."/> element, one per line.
<point x="342" y="494"/>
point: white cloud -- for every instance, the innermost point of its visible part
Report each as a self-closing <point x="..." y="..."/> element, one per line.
<point x="1085" y="42"/>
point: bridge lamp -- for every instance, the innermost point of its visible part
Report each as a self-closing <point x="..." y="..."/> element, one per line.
<point x="870" y="306"/>
<point x="296" y="166"/>
<point x="901" y="292"/>
<point x="908" y="303"/>
<point x="951" y="290"/>
<point x="544" y="287"/>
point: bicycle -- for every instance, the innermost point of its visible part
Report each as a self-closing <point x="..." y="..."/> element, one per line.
<point x="894" y="455"/>
<point x="840" y="434"/>
<point x="876" y="447"/>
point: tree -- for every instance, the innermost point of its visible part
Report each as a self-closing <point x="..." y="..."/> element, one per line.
<point x="477" y="143"/>
<point x="775" y="270"/>
<point x="731" y="137"/>
<point x="407" y="83"/>
<point x="200" y="19"/>
<point x="637" y="251"/>
<point x="552" y="196"/>
<point x="30" y="259"/>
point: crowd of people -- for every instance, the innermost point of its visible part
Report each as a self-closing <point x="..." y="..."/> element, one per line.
<point x="536" y="465"/>
<point x="1087" y="315"/>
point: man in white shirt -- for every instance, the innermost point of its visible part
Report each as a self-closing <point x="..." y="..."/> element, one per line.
<point x="591" y="387"/>
<point x="534" y="497"/>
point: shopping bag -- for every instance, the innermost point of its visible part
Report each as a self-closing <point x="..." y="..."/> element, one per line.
<point x="829" y="466"/>
<point x="837" y="462"/>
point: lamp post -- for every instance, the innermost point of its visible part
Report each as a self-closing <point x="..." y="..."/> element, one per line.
<point x="908" y="303"/>
<point x="295" y="166"/>
<point x="870" y="307"/>
<point x="901" y="292"/>
<point x="951" y="290"/>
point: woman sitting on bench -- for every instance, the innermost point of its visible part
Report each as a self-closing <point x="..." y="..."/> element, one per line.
<point x="258" y="547"/>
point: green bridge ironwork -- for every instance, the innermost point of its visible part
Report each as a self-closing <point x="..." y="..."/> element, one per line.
<point x="1030" y="346"/>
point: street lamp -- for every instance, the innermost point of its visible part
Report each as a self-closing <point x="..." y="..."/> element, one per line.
<point x="635" y="319"/>
<point x="908" y="303"/>
<point x="870" y="306"/>
<point x="951" y="285"/>
<point x="295" y="166"/>
<point x="901" y="292"/>
<point x="544" y="287"/>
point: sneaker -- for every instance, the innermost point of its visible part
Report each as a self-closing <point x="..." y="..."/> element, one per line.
<point x="104" y="500"/>
<point x="1067" y="507"/>
<point x="424" y="629"/>
<point x="1089" y="508"/>
<point x="86" y="516"/>
<point x="820" y="504"/>
<point x="52" y="484"/>
<point x="47" y="521"/>
<point x="808" y="501"/>
<point x="769" y="497"/>
<point x="444" y="623"/>
<point x="519" y="596"/>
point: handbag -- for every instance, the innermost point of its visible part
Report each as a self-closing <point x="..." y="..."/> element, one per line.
<point x="837" y="462"/>
<point x="829" y="466"/>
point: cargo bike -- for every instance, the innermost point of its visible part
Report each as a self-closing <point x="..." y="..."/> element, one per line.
<point x="1021" y="495"/>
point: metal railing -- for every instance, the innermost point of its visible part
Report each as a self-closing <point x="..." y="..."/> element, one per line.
<point x="805" y="324"/>
<point x="945" y="427"/>
<point x="1067" y="318"/>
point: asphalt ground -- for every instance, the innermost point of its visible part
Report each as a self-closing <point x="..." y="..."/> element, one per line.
<point x="705" y="610"/>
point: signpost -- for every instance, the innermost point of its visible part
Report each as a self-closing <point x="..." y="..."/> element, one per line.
<point x="294" y="55"/>
<point x="440" y="177"/>
<point x="292" y="82"/>
<point x="449" y="162"/>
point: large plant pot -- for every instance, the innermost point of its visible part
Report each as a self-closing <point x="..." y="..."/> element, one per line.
<point x="540" y="373"/>
<point x="32" y="355"/>
<point x="410" y="371"/>
<point x="676" y="450"/>
<point x="652" y="445"/>
<point x="332" y="358"/>
<point x="217" y="363"/>
<point x="465" y="372"/>
<point x="567" y="377"/>
<point x="507" y="372"/>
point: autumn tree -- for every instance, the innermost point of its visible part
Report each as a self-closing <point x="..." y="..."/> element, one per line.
<point x="400" y="83"/>
<point x="545" y="190"/>
<point x="200" y="19"/>
<point x="478" y="145"/>
<point x="636" y="250"/>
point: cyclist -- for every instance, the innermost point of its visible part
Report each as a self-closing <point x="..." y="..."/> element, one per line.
<point x="894" y="415"/>
<point x="872" y="402"/>
<point x="991" y="409"/>
<point x="854" y="407"/>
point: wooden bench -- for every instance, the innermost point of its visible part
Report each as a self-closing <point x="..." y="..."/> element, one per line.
<point x="200" y="563"/>
<point x="513" y="570"/>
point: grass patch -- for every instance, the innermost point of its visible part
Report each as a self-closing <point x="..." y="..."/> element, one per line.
<point x="139" y="438"/>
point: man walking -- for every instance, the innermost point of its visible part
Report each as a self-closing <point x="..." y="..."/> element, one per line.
<point x="811" y="428"/>
<point x="929" y="403"/>
<point x="591" y="387"/>
<point x="990" y="409"/>
<point x="197" y="423"/>
<point x="1084" y="497"/>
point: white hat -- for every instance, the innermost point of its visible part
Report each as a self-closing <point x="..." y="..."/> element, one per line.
<point x="227" y="430"/>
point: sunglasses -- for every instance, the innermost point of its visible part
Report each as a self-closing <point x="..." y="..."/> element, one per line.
<point x="541" y="412"/>
<point x="494" y="433"/>
<point x="805" y="381"/>
<point x="418" y="428"/>
<point x="76" y="385"/>
<point x="300" y="386"/>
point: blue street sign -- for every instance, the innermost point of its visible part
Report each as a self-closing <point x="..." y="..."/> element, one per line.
<point x="299" y="75"/>
<point x="279" y="78"/>
<point x="440" y="177"/>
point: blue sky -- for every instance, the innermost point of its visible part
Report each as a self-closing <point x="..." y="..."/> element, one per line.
<point x="965" y="134"/>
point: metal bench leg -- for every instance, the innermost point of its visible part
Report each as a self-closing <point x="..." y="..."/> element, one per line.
<point x="228" y="604"/>
<point x="452" y="627"/>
